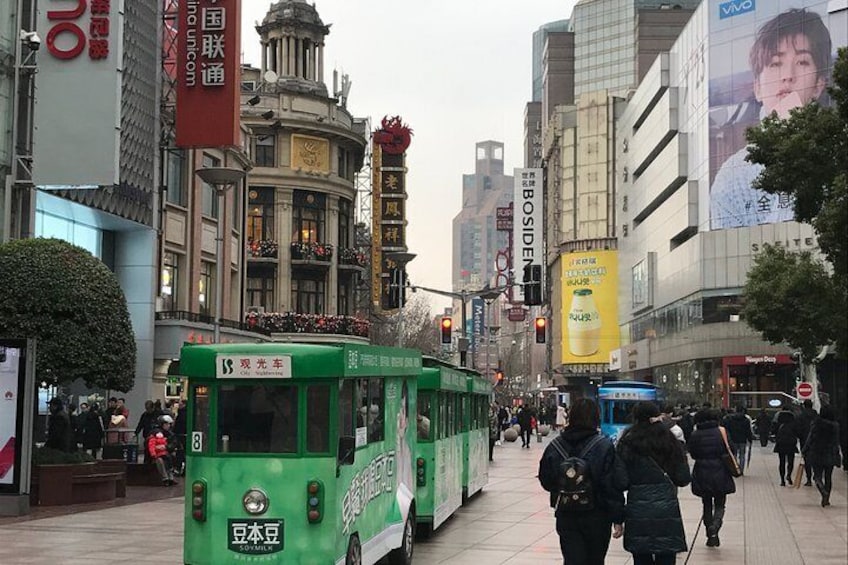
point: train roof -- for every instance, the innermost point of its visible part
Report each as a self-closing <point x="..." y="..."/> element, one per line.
<point x="296" y="360"/>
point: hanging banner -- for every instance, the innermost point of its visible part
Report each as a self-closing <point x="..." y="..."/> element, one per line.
<point x="527" y="229"/>
<point x="208" y="73"/>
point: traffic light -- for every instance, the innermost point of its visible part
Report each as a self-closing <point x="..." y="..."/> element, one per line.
<point x="499" y="377"/>
<point x="446" y="327"/>
<point x="532" y="285"/>
<point x="541" y="329"/>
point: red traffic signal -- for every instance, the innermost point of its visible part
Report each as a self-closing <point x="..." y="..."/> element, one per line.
<point x="541" y="329"/>
<point x="446" y="328"/>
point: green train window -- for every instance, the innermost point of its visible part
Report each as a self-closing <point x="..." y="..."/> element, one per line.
<point x="257" y="419"/>
<point x="346" y="408"/>
<point x="424" y="416"/>
<point x="200" y="417"/>
<point x="318" y="418"/>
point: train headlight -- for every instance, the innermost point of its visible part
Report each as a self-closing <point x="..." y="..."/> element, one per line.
<point x="255" y="501"/>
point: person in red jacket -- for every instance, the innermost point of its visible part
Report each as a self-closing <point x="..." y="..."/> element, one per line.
<point x="158" y="449"/>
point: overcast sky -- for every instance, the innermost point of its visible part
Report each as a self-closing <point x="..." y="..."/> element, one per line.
<point x="456" y="71"/>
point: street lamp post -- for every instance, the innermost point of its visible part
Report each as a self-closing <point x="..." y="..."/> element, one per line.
<point x="401" y="258"/>
<point x="222" y="179"/>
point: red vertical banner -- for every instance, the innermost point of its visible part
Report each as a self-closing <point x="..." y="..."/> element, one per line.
<point x="208" y="73"/>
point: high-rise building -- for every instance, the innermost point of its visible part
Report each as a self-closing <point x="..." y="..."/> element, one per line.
<point x="689" y="223"/>
<point x="539" y="39"/>
<point x="608" y="44"/>
<point x="476" y="240"/>
<point x="607" y="40"/>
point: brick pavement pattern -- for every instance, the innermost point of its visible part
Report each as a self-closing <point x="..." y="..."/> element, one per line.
<point x="509" y="523"/>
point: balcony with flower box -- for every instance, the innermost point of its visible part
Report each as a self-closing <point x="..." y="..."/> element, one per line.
<point x="311" y="254"/>
<point x="352" y="259"/>
<point x="315" y="326"/>
<point x="262" y="250"/>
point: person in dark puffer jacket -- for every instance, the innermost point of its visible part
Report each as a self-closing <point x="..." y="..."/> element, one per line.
<point x="786" y="444"/>
<point x="584" y="537"/>
<point x="821" y="451"/>
<point x="654" y="466"/>
<point x="711" y="480"/>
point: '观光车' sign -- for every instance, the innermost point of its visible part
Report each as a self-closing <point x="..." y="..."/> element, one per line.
<point x="208" y="80"/>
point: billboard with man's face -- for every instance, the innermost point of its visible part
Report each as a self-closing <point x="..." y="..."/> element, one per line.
<point x="765" y="57"/>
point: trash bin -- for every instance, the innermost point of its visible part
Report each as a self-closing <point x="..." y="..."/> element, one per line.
<point x="129" y="452"/>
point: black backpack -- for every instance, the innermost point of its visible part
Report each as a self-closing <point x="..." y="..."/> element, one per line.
<point x="576" y="492"/>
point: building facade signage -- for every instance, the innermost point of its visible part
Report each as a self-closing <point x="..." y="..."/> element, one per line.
<point x="478" y="331"/>
<point x="208" y="73"/>
<point x="528" y="215"/>
<point x="747" y="61"/>
<point x="388" y="205"/>
<point x="78" y="94"/>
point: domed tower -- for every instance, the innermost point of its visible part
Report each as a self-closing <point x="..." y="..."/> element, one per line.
<point x="292" y="36"/>
<point x="306" y="149"/>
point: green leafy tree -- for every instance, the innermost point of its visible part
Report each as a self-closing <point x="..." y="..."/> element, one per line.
<point x="792" y="298"/>
<point x="72" y="304"/>
<point x="806" y="156"/>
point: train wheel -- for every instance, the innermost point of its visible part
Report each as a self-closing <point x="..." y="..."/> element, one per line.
<point x="403" y="554"/>
<point x="354" y="551"/>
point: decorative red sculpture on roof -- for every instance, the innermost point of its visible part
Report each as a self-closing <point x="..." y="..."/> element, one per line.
<point x="393" y="136"/>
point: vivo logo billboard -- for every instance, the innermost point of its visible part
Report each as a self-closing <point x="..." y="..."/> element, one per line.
<point x="735" y="8"/>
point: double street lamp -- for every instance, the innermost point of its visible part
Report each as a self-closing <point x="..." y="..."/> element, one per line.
<point x="221" y="179"/>
<point x="487" y="293"/>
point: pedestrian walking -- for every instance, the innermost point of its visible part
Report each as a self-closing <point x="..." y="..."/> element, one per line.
<point x="804" y="422"/>
<point x="786" y="444"/>
<point x="494" y="429"/>
<point x="821" y="451"/>
<point x="654" y="466"/>
<point x="739" y="433"/>
<point x="711" y="480"/>
<point x="92" y="430"/>
<point x="525" y="420"/>
<point x="763" y="423"/>
<point x="584" y="529"/>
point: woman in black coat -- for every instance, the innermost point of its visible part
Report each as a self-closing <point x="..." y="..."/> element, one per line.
<point x="654" y="465"/>
<point x="786" y="444"/>
<point x="711" y="480"/>
<point x="821" y="451"/>
<point x="92" y="431"/>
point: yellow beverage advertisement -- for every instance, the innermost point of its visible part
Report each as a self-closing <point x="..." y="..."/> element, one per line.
<point x="590" y="306"/>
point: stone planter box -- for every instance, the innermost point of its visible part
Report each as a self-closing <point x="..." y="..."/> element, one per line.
<point x="58" y="485"/>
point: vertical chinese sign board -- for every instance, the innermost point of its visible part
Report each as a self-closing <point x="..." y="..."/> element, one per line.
<point x="78" y="95"/>
<point x="208" y="74"/>
<point x="388" y="205"/>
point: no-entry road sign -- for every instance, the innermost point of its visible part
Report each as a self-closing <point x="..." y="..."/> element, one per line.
<point x="805" y="391"/>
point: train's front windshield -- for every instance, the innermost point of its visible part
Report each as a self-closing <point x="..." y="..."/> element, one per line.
<point x="619" y="411"/>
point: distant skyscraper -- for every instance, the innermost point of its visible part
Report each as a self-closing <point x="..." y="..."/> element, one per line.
<point x="476" y="240"/>
<point x="607" y="41"/>
<point x="539" y="37"/>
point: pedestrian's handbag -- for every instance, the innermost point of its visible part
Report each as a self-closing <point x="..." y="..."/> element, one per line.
<point x="799" y="474"/>
<point x="727" y="457"/>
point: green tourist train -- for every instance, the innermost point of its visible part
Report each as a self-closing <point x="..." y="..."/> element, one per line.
<point x="326" y="453"/>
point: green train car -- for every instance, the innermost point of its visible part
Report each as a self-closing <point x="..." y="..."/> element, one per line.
<point x="312" y="453"/>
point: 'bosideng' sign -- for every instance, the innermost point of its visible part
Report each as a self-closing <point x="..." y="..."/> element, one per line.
<point x="208" y="78"/>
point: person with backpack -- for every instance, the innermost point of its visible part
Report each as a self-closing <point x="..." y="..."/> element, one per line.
<point x="738" y="427"/>
<point x="577" y="469"/>
<point x="654" y="466"/>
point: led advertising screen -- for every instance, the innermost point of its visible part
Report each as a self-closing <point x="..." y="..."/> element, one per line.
<point x="590" y="306"/>
<point x="765" y="57"/>
<point x="12" y="370"/>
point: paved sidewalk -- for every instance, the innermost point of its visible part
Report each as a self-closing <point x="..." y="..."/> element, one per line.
<point x="509" y="523"/>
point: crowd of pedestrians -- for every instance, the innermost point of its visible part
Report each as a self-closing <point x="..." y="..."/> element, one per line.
<point x="160" y="430"/>
<point x="587" y="477"/>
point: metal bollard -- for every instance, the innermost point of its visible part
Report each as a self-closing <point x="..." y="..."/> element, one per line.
<point x="538" y="436"/>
